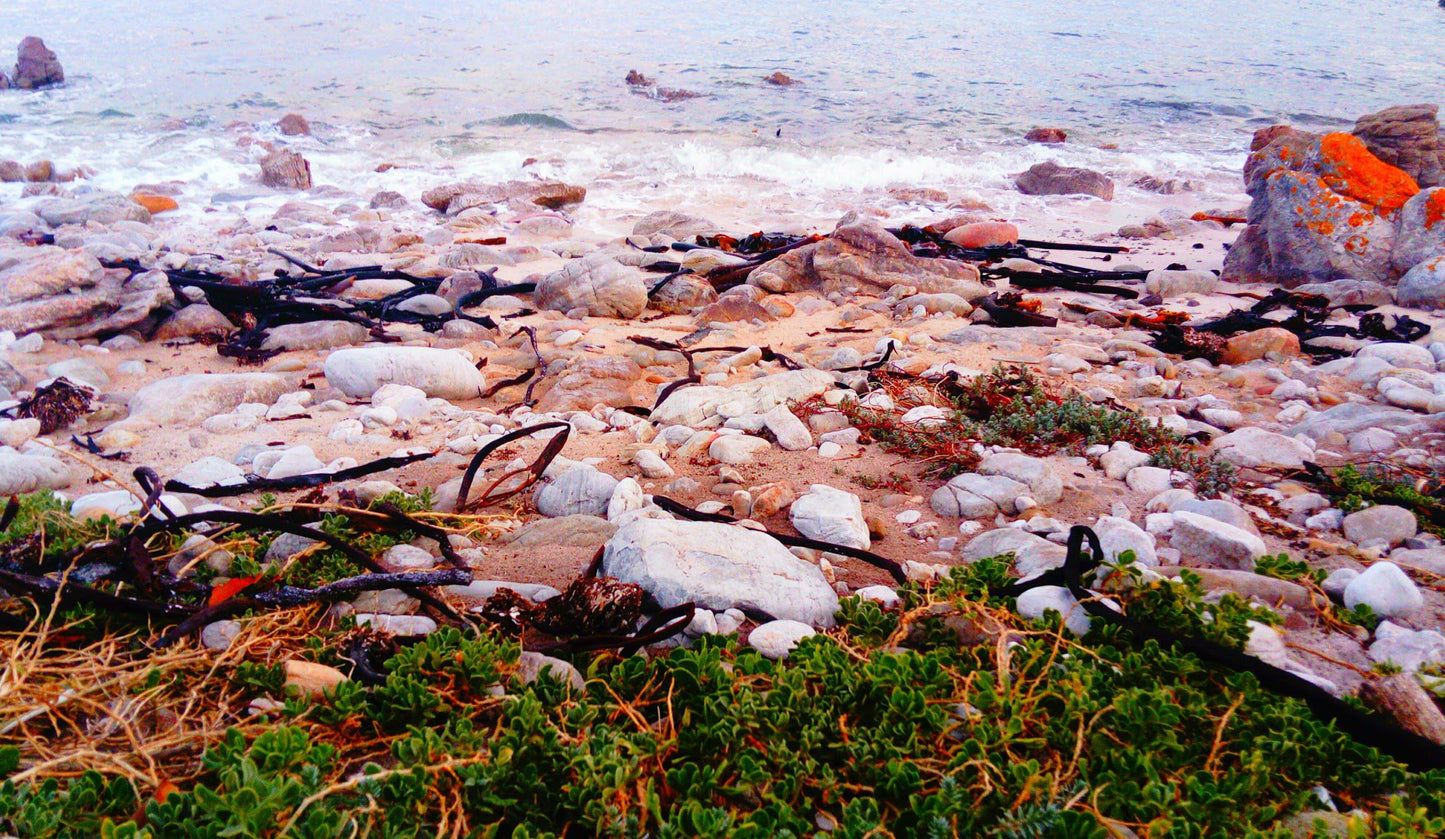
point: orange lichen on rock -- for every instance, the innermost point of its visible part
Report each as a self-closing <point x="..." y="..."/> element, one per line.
<point x="155" y="203"/>
<point x="1434" y="209"/>
<point x="1349" y="169"/>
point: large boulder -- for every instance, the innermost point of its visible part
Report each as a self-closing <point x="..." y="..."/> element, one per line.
<point x="1322" y="209"/>
<point x="1408" y="138"/>
<point x="718" y="567"/>
<point x="861" y="254"/>
<point x="609" y="380"/>
<point x="1049" y="178"/>
<point x="1424" y="285"/>
<point x="599" y="284"/>
<point x="67" y="295"/>
<point x="36" y="65"/>
<point x="359" y="372"/>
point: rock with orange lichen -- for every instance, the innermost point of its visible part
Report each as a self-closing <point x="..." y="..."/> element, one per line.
<point x="1317" y="235"/>
<point x="1421" y="230"/>
<point x="1347" y="166"/>
<point x="1323" y="208"/>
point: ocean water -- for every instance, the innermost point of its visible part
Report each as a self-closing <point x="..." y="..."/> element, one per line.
<point x="891" y="94"/>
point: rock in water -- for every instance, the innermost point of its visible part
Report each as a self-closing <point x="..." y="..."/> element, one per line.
<point x="599" y="284"/>
<point x="285" y="169"/>
<point x="831" y="515"/>
<point x="1408" y="138"/>
<point x="36" y="66"/>
<point x="719" y="566"/>
<point x="294" y="125"/>
<point x="359" y="372"/>
<point x="1050" y="178"/>
<point x="1046" y="135"/>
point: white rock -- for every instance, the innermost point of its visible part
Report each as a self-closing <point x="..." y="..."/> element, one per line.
<point x="829" y="450"/>
<point x="971" y="495"/>
<point x="1213" y="544"/>
<point x="1120" y="459"/>
<point x="297" y="460"/>
<point x="1036" y="601"/>
<point x="1387" y="590"/>
<point x="407" y="558"/>
<point x="531" y="666"/>
<point x="1406" y="648"/>
<point x="696" y="406"/>
<point x="882" y="595"/>
<point x="209" y="472"/>
<point x="1117" y="535"/>
<point x="194" y="397"/>
<point x="1257" y="448"/>
<point x="831" y="515"/>
<point x="652" y="464"/>
<point x="359" y="372"/>
<point x="718" y="566"/>
<point x="626" y="497"/>
<point x="924" y="416"/>
<point x="776" y="639"/>
<point x="1044" y="486"/>
<point x="737" y="448"/>
<point x="1031" y="553"/>
<point x="1339" y="580"/>
<point x="790" y="432"/>
<point x="403" y="625"/>
<point x="1149" y="480"/>
<point x="1400" y="355"/>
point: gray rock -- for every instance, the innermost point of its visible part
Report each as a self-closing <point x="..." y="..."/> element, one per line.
<point x="581" y="490"/>
<point x="209" y="472"/>
<point x="359" y="372"/>
<point x="1350" y="417"/>
<point x="1407" y="137"/>
<point x="831" y="515"/>
<point x="1213" y="544"/>
<point x="103" y="208"/>
<point x="599" y="284"/>
<point x="194" y="397"/>
<point x="1049" y="178"/>
<point x="719" y="567"/>
<point x="81" y="371"/>
<point x="285" y="169"/>
<point x="425" y="304"/>
<point x="68" y="295"/>
<point x="1423" y="286"/>
<point x="406" y="626"/>
<point x="1384" y="522"/>
<point x="1388" y="591"/>
<point x="1421" y="235"/>
<point x="674" y="225"/>
<point x="220" y="634"/>
<point x="1410" y="356"/>
<point x="1217" y="508"/>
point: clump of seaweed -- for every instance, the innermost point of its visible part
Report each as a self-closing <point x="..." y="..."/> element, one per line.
<point x="56" y="405"/>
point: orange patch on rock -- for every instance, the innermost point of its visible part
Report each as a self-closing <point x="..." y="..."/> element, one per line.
<point x="1351" y="170"/>
<point x="155" y="203"/>
<point x="1434" y="209"/>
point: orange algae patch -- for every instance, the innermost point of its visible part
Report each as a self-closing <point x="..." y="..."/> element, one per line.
<point x="1434" y="209"/>
<point x="1351" y="170"/>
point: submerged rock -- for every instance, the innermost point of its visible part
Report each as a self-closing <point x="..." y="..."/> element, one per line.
<point x="285" y="169"/>
<point x="1050" y="178"/>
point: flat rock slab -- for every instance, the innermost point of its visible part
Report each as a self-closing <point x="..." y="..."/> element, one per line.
<point x="197" y="396"/>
